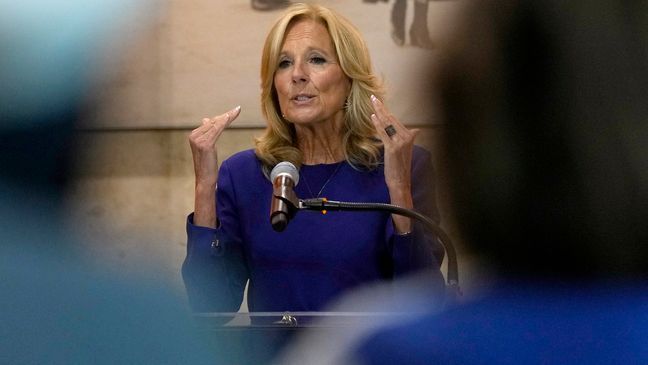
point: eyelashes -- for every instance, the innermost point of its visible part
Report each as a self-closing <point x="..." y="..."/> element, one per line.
<point x="315" y="60"/>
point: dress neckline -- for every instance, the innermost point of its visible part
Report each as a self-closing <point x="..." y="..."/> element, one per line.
<point x="324" y="164"/>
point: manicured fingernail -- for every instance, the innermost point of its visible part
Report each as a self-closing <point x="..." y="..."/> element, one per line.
<point x="374" y="98"/>
<point x="237" y="108"/>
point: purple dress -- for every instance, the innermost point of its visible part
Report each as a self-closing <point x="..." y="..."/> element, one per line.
<point x="318" y="256"/>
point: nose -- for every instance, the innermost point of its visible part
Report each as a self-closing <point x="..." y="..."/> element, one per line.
<point x="299" y="72"/>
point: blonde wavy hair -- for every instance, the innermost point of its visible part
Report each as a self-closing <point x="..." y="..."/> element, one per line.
<point x="278" y="143"/>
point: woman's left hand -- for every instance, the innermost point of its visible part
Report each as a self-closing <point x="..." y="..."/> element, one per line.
<point x="399" y="143"/>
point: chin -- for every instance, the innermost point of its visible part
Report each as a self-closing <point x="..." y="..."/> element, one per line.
<point x="302" y="119"/>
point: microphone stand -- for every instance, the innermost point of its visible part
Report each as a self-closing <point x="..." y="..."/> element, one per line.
<point x="293" y="204"/>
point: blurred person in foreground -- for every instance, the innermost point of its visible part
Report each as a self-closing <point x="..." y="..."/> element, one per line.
<point x="55" y="307"/>
<point x="324" y="114"/>
<point x="547" y="155"/>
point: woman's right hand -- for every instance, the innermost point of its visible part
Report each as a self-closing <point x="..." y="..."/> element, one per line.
<point x="205" y="158"/>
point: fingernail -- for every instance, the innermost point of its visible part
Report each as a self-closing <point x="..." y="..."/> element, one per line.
<point x="237" y="108"/>
<point x="374" y="98"/>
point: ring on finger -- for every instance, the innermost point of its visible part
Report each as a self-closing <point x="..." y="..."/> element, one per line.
<point x="390" y="130"/>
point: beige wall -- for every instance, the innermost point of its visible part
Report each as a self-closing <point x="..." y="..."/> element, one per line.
<point x="133" y="191"/>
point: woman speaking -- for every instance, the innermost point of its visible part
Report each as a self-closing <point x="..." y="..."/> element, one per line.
<point x="324" y="114"/>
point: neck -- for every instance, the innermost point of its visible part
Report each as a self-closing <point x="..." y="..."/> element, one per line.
<point x="320" y="143"/>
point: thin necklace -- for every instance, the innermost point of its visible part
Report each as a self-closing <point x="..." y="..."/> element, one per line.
<point x="325" y="183"/>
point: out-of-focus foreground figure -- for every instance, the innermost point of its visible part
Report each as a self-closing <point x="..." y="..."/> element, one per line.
<point x="547" y="150"/>
<point x="55" y="308"/>
<point x="547" y="156"/>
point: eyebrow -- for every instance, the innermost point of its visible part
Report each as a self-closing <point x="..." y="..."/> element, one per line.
<point x="310" y="49"/>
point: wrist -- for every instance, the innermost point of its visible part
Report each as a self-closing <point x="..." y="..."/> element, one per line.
<point x="401" y="197"/>
<point x="403" y="233"/>
<point x="205" y="205"/>
<point x="205" y="187"/>
<point x="402" y="224"/>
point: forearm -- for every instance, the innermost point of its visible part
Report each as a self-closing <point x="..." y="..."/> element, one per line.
<point x="205" y="205"/>
<point x="402" y="197"/>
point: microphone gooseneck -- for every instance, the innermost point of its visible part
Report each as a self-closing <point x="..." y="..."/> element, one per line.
<point x="452" y="276"/>
<point x="285" y="204"/>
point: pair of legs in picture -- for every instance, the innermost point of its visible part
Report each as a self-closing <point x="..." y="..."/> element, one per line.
<point x="418" y="32"/>
<point x="269" y="5"/>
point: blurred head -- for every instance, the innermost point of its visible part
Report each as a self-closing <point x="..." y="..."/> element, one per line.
<point x="52" y="55"/>
<point x="547" y="140"/>
<point x="350" y="55"/>
<point x="48" y="50"/>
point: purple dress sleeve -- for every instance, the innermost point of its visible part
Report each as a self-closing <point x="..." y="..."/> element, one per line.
<point x="214" y="271"/>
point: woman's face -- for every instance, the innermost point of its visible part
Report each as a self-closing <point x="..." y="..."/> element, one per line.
<point x="310" y="84"/>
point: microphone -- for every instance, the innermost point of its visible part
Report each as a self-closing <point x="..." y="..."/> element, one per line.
<point x="284" y="177"/>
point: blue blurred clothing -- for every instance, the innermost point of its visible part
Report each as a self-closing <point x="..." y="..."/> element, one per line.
<point x="523" y="325"/>
<point x="58" y="309"/>
<point x="318" y="257"/>
<point x="55" y="307"/>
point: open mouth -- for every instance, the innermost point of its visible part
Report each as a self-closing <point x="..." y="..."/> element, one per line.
<point x="303" y="97"/>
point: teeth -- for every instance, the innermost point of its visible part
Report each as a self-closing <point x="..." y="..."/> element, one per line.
<point x="302" y="98"/>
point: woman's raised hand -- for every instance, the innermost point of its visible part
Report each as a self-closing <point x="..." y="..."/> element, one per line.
<point x="203" y="145"/>
<point x="205" y="158"/>
<point x="399" y="143"/>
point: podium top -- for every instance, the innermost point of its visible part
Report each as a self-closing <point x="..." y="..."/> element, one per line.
<point x="233" y="320"/>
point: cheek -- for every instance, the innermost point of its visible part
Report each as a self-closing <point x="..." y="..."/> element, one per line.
<point x="279" y="86"/>
<point x="336" y="85"/>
